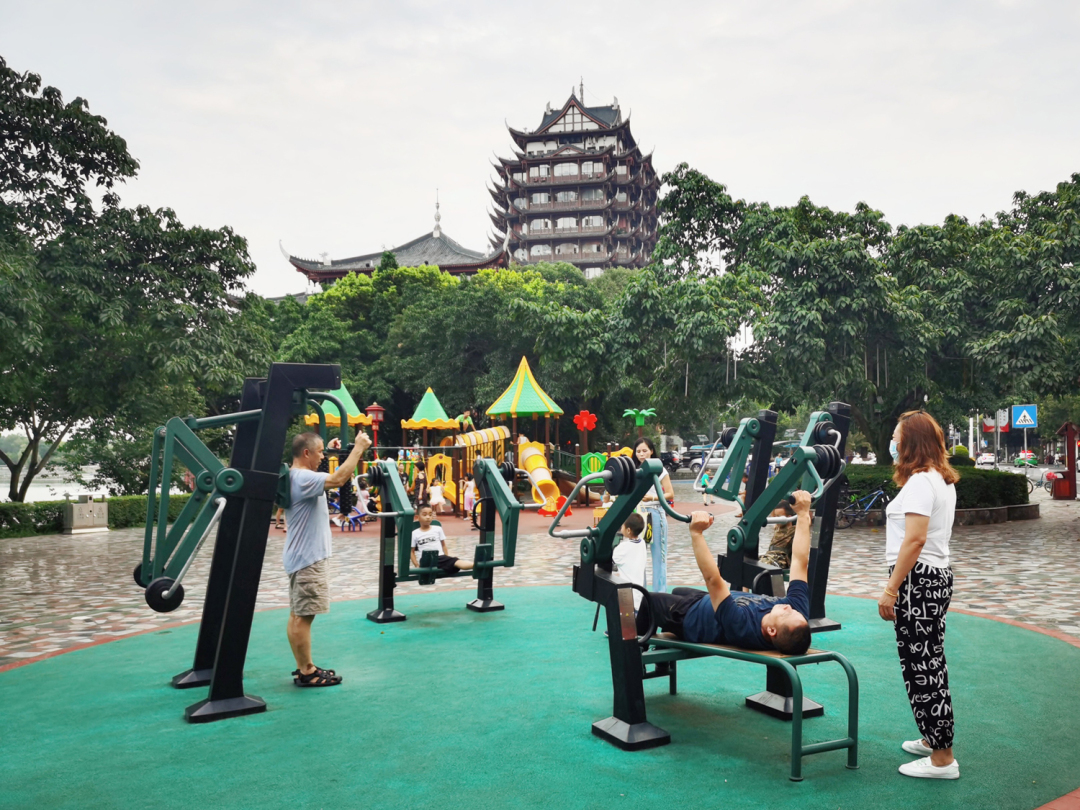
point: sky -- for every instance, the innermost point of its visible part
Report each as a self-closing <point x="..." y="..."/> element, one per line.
<point x="328" y="127"/>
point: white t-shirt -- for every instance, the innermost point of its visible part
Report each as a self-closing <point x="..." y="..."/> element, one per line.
<point x="630" y="557"/>
<point x="431" y="540"/>
<point x="925" y="493"/>
<point x="436" y="495"/>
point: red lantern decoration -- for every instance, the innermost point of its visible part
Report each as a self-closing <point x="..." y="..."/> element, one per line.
<point x="377" y="412"/>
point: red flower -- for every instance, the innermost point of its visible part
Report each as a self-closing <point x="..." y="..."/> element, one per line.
<point x="585" y="421"/>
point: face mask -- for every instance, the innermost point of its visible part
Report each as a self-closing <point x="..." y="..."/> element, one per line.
<point x="894" y="450"/>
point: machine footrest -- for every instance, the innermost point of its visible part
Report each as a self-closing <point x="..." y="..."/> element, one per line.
<point x="207" y="711"/>
<point x="630" y="737"/>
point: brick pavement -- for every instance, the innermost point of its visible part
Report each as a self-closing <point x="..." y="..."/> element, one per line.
<point x="60" y="592"/>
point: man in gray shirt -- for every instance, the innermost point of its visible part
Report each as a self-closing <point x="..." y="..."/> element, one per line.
<point x="308" y="547"/>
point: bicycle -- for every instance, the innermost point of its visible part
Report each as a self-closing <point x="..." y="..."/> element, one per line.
<point x="859" y="508"/>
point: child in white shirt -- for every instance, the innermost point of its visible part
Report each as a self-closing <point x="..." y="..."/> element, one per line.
<point x="432" y="538"/>
<point x="629" y="556"/>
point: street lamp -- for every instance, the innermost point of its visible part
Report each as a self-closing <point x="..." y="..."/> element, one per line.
<point x="376" y="412"/>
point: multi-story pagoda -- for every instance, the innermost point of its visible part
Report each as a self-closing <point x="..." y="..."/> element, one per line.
<point x="579" y="190"/>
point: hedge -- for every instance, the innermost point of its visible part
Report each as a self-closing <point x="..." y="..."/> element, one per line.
<point x="47" y="517"/>
<point x="976" y="489"/>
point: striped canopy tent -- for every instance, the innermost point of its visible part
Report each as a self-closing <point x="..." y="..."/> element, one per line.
<point x="429" y="415"/>
<point x="525" y="397"/>
<point x="333" y="418"/>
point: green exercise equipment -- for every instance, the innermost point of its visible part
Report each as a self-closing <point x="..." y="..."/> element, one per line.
<point x="396" y="525"/>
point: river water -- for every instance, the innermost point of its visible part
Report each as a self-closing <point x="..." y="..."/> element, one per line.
<point x="50" y="485"/>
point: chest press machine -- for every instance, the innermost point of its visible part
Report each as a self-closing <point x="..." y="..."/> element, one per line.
<point x="494" y="497"/>
<point x="593" y="579"/>
<point x="238" y="499"/>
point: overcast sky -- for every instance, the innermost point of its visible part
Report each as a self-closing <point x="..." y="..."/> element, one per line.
<point x="329" y="126"/>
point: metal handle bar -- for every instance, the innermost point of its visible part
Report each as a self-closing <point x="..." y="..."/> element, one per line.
<point x="815" y="496"/>
<point x="665" y="505"/>
<point x="388" y="514"/>
<point x="220" y="503"/>
<point x="533" y="505"/>
<point x="698" y="487"/>
<point x="603" y="475"/>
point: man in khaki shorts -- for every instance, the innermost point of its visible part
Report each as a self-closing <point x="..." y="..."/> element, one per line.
<point x="308" y="548"/>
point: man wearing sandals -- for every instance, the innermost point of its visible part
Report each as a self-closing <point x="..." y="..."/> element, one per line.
<point x="308" y="548"/>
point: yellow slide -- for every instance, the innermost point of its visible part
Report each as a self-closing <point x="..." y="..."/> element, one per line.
<point x="544" y="488"/>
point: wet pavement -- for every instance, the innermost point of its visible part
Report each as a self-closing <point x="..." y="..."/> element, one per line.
<point x="59" y="592"/>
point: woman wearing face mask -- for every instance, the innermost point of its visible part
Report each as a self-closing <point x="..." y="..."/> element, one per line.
<point x="655" y="514"/>
<point x="916" y="597"/>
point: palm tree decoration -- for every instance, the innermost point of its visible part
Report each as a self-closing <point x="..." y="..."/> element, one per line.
<point x="639" y="418"/>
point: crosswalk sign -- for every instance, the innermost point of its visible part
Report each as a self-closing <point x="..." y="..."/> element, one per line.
<point x="1025" y="416"/>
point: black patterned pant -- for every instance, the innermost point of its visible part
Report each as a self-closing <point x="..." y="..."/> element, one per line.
<point x="920" y="641"/>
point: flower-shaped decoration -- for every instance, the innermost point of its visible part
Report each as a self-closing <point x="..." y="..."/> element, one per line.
<point x="640" y="416"/>
<point x="585" y="421"/>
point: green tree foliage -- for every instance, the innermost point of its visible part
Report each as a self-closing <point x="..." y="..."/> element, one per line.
<point x="126" y="307"/>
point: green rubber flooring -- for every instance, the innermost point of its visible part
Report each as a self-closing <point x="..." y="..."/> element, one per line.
<point x="457" y="710"/>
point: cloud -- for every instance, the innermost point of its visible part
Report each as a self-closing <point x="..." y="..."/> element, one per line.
<point x="330" y="125"/>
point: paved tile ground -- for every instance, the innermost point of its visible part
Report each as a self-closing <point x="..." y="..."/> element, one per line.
<point x="60" y="592"/>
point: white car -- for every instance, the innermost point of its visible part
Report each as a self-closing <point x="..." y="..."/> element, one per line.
<point x="985" y="458"/>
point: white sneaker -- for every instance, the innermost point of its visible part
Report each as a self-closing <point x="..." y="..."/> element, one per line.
<point x="924" y="769"/>
<point x="917" y="747"/>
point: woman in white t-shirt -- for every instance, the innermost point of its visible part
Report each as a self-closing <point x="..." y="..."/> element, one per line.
<point x="916" y="598"/>
<point x="655" y="514"/>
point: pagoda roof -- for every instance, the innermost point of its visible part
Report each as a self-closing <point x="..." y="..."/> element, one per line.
<point x="607" y="117"/>
<point x="428" y="249"/>
<point x="429" y="414"/>
<point x="524" y="396"/>
<point x="333" y="416"/>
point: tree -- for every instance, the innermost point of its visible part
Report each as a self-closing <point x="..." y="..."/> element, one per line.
<point x="124" y="304"/>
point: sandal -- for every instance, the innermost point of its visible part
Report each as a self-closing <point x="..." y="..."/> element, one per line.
<point x="320" y="677"/>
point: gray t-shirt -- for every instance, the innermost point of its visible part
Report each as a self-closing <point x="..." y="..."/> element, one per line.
<point x="308" y="538"/>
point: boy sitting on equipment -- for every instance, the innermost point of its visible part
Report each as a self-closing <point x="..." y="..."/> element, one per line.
<point x="747" y="620"/>
<point x="432" y="538"/>
<point x="629" y="556"/>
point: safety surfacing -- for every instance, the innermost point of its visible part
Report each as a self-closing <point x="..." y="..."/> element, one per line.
<point x="453" y="709"/>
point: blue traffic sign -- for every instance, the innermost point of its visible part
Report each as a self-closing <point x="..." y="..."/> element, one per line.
<point x="1025" y="416"/>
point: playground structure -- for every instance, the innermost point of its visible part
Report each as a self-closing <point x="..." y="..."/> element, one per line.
<point x="397" y="525"/>
<point x="814" y="466"/>
<point x="239" y="500"/>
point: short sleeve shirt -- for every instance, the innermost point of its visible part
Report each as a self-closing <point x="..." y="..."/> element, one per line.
<point x="925" y="493"/>
<point x="431" y="540"/>
<point x="308" y="538"/>
<point x="737" y="620"/>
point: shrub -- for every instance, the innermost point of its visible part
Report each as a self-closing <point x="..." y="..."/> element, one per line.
<point x="47" y="517"/>
<point x="961" y="461"/>
<point x="24" y="519"/>
<point x="960" y="450"/>
<point x="977" y="489"/>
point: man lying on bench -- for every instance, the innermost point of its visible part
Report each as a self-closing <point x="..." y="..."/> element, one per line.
<point x="739" y="619"/>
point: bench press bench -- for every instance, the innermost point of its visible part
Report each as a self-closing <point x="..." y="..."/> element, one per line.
<point x="669" y="650"/>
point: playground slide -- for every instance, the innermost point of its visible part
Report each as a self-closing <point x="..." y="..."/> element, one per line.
<point x="544" y="488"/>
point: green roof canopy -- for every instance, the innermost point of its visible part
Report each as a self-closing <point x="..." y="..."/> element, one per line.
<point x="429" y="414"/>
<point x="356" y="415"/>
<point x="524" y="396"/>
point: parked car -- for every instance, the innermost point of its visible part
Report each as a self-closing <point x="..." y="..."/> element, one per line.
<point x="714" y="462"/>
<point x="671" y="460"/>
<point x="985" y="458"/>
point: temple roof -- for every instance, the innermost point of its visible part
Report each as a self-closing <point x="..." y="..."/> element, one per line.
<point x="607" y="116"/>
<point x="428" y="249"/>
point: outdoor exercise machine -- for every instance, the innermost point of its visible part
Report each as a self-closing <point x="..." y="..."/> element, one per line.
<point x="396" y="526"/>
<point x="594" y="580"/>
<point x="239" y="500"/>
<point x="821" y="448"/>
